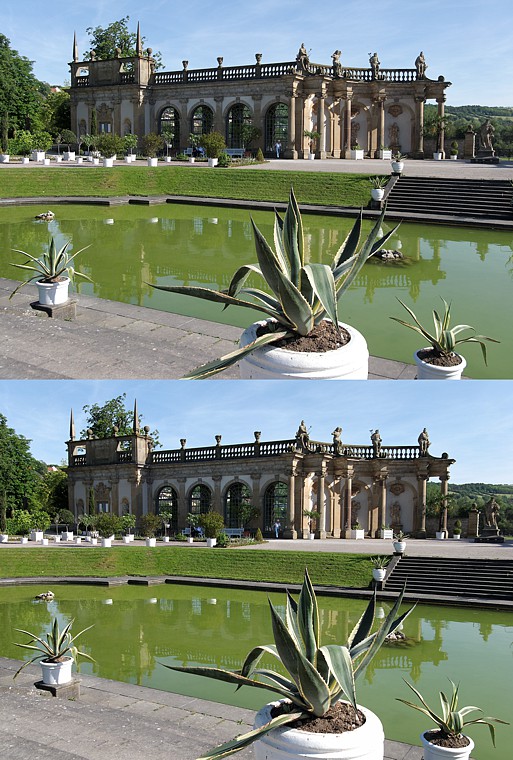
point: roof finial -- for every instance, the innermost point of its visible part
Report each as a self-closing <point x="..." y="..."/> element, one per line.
<point x="75" y="48"/>
<point x="135" y="426"/>
<point x="138" y="44"/>
<point x="71" y="427"/>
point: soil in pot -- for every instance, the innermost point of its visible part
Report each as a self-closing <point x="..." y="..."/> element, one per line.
<point x="339" y="718"/>
<point x="430" y="356"/>
<point x="324" y="337"/>
<point x="449" y="741"/>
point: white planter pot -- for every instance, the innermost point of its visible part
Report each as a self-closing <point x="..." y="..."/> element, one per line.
<point x="438" y="156"/>
<point x="94" y="541"/>
<point x="57" y="539"/>
<point x="168" y="159"/>
<point x="350" y="362"/>
<point x="433" y="752"/>
<point x="364" y="743"/>
<point x="56" y="673"/>
<point x="454" y="158"/>
<point x="377" y="193"/>
<point x="36" y="535"/>
<point x="38" y="155"/>
<point x="427" y="371"/>
<point x="385" y="155"/>
<point x="440" y="535"/>
<point x="397" y="166"/>
<point x="191" y="159"/>
<point x="456" y="536"/>
<point x="67" y="535"/>
<point x="4" y="158"/>
<point x="69" y="155"/>
<point x="386" y="533"/>
<point x="53" y="293"/>
<point x="358" y="533"/>
<point x="190" y="540"/>
<point x="212" y="162"/>
<point x="378" y="573"/>
<point x="25" y="160"/>
<point x="106" y="542"/>
<point x="80" y="159"/>
<point x="126" y="539"/>
<point x="46" y="162"/>
<point x="44" y="542"/>
<point x="211" y="542"/>
<point x="165" y="539"/>
<point x="357" y="155"/>
<point x="4" y="538"/>
<point x="78" y="540"/>
<point x="24" y="540"/>
<point x="108" y="163"/>
<point x="58" y="159"/>
<point x="311" y="536"/>
<point x="400" y="547"/>
<point x="311" y="156"/>
<point x="151" y="541"/>
<point x="153" y="161"/>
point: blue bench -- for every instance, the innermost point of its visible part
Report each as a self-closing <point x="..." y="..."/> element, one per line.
<point x="234" y="152"/>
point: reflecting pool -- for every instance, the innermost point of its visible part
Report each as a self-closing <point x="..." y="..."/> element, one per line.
<point x="136" y="628"/>
<point x="173" y="244"/>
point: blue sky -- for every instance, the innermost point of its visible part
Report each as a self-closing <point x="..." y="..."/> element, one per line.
<point x="471" y="420"/>
<point x="469" y="43"/>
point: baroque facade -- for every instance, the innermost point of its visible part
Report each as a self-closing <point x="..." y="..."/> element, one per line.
<point x="373" y="485"/>
<point x="373" y="107"/>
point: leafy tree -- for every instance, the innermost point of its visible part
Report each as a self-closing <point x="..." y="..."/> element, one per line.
<point x="21" y="96"/>
<point x="103" y="418"/>
<point x="105" y="41"/>
<point x="56" y="113"/>
<point x="20" y="473"/>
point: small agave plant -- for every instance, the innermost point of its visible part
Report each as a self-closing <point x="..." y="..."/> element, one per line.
<point x="300" y="295"/>
<point x="51" y="265"/>
<point x="317" y="676"/>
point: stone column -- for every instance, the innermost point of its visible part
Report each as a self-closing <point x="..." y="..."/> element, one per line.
<point x="292" y="150"/>
<point x="290" y="529"/>
<point x="422" y="492"/>
<point x="337" y="121"/>
<point x="217" y="505"/>
<point x="444" y="489"/>
<point x="256" y="500"/>
<point x="114" y="486"/>
<point x="347" y="146"/>
<point x="335" y="507"/>
<point x="321" y="125"/>
<point x="378" y="512"/>
<point x="380" y="101"/>
<point x="184" y="121"/>
<point x="257" y="120"/>
<point x="321" y="502"/>
<point x="182" y="502"/>
<point x="441" y="116"/>
<point x="347" y="516"/>
<point x="419" y="105"/>
<point x="218" y="116"/>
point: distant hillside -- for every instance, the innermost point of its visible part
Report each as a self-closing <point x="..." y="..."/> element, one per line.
<point x="481" y="489"/>
<point x="471" y="112"/>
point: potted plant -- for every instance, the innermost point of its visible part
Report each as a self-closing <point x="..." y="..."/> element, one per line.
<point x="54" y="270"/>
<point x="399" y="542"/>
<point x="379" y="568"/>
<point x="386" y="532"/>
<point x="385" y="153"/>
<point x="40" y="521"/>
<point x="192" y="522"/>
<point x="357" y="152"/>
<point x="56" y="654"/>
<point x="214" y="144"/>
<point x="357" y="532"/>
<point x="127" y="526"/>
<point x="439" y="361"/>
<point x="91" y="143"/>
<point x="42" y="142"/>
<point x="311" y="515"/>
<point x="168" y="136"/>
<point x="68" y="138"/>
<point x="313" y="137"/>
<point x="378" y="185"/>
<point x="22" y="145"/>
<point x="129" y="144"/>
<point x="398" y="163"/>
<point x="109" y="146"/>
<point x="150" y="523"/>
<point x="66" y="517"/>
<point x="88" y="521"/>
<point x="166" y="517"/>
<point x="447" y="740"/>
<point x="212" y="523"/>
<point x="456" y="531"/>
<point x="454" y="150"/>
<point x="151" y="145"/>
<point x="319" y="681"/>
<point x="305" y="300"/>
<point x="107" y="526"/>
<point x="194" y="141"/>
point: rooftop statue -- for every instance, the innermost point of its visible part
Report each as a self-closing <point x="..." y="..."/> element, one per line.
<point x="421" y="66"/>
<point x="424" y="443"/>
<point x="302" y="57"/>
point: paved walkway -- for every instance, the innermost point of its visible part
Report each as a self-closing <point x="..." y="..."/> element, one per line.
<point x="112" y="340"/>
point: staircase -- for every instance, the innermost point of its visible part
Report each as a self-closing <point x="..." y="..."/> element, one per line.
<point x="432" y="197"/>
<point x="445" y="577"/>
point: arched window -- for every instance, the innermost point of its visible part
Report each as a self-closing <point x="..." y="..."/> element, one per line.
<point x="170" y="121"/>
<point x="200" y="499"/>
<point x="275" y="505"/>
<point x="238" y="117"/>
<point x="202" y="120"/>
<point x="276" y="126"/>
<point x="167" y="501"/>
<point x="237" y="506"/>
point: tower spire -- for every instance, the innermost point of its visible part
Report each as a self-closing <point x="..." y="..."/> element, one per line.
<point x="138" y="44"/>
<point x="71" y="427"/>
<point x="75" y="48"/>
<point x="135" y="427"/>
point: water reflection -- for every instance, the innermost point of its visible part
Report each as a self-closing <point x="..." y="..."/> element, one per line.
<point x="178" y="244"/>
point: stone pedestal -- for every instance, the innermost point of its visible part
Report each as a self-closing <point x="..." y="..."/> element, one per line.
<point x="66" y="310"/>
<point x="485" y="156"/>
<point x="69" y="690"/>
<point x="489" y="535"/>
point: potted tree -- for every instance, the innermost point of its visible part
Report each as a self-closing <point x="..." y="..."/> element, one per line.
<point x="194" y="141"/>
<point x="214" y="144"/>
<point x="40" y="521"/>
<point x="22" y="145"/>
<point x="130" y="142"/>
<point x="68" y="138"/>
<point x="150" y="524"/>
<point x="311" y="515"/>
<point x="386" y="532"/>
<point x="107" y="526"/>
<point x="313" y="136"/>
<point x="127" y="526"/>
<point x="192" y="522"/>
<point x="56" y="652"/>
<point x="379" y="568"/>
<point x="357" y="152"/>
<point x="456" y="531"/>
<point x="166" y="516"/>
<point x="378" y="185"/>
<point x="454" y="150"/>
<point x="66" y="517"/>
<point x="439" y="361"/>
<point x="54" y="270"/>
<point x="302" y="310"/>
<point x="109" y="146"/>
<point x="151" y="145"/>
<point x="447" y="740"/>
<point x="357" y="532"/>
<point x="168" y="136"/>
<point x="212" y="523"/>
<point x="42" y="142"/>
<point x="318" y="686"/>
<point x="385" y="153"/>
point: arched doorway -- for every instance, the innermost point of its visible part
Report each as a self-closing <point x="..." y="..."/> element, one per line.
<point x="167" y="501"/>
<point x="239" y="116"/>
<point x="202" y="120"/>
<point x="276" y="126"/>
<point x="275" y="505"/>
<point x="200" y="499"/>
<point x="237" y="505"/>
<point x="169" y="122"/>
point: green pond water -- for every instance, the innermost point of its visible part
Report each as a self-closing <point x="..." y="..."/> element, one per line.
<point x="137" y="628"/>
<point x="185" y="244"/>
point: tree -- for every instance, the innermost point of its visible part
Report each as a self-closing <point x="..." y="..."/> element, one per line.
<point x="21" y="97"/>
<point x="102" y="419"/>
<point x="20" y="473"/>
<point x="56" y="114"/>
<point x="107" y="41"/>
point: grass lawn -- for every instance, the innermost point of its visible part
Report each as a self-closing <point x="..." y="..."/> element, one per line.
<point x="351" y="190"/>
<point x="351" y="570"/>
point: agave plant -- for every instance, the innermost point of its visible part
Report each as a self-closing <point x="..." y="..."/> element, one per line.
<point x="51" y="265"/>
<point x="445" y="338"/>
<point x="301" y="295"/>
<point x="451" y="721"/>
<point x="317" y="676"/>
<point x="57" y="645"/>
